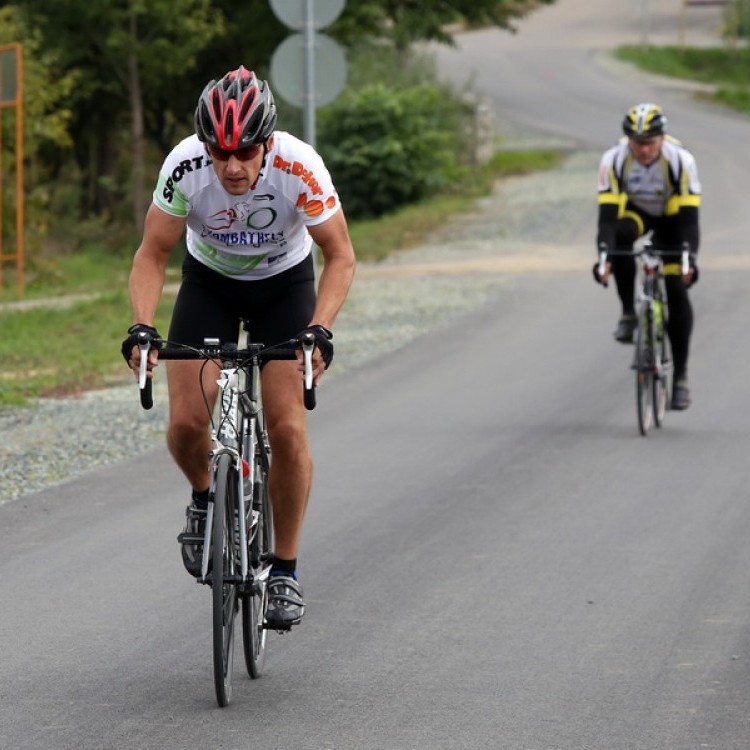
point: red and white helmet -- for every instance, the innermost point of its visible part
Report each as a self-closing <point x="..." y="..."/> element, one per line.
<point x="236" y="111"/>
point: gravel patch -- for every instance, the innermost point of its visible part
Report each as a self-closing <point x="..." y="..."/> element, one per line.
<point x="391" y="303"/>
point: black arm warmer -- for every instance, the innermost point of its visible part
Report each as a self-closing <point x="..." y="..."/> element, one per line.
<point x="607" y="227"/>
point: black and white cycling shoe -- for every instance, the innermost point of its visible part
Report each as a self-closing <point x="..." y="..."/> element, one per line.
<point x="191" y="539"/>
<point x="625" y="329"/>
<point x="285" y="604"/>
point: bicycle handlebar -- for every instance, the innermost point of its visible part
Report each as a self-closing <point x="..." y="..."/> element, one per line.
<point x="227" y="353"/>
<point x="649" y="250"/>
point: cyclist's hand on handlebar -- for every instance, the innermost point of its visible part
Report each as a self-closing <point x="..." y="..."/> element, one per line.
<point x="603" y="267"/>
<point x="130" y="351"/>
<point x="599" y="276"/>
<point x="692" y="276"/>
<point x="323" y="354"/>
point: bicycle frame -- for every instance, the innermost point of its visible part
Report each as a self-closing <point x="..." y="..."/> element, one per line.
<point x="227" y="437"/>
<point x="651" y="296"/>
<point x="237" y="429"/>
<point x="652" y="359"/>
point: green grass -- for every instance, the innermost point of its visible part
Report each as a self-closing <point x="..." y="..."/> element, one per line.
<point x="727" y="69"/>
<point x="52" y="352"/>
<point x="61" y="351"/>
<point x="56" y="274"/>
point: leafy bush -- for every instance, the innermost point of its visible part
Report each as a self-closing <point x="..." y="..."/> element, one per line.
<point x="737" y="19"/>
<point x="389" y="147"/>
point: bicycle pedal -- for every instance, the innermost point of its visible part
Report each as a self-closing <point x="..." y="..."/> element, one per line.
<point x="280" y="629"/>
<point x="186" y="538"/>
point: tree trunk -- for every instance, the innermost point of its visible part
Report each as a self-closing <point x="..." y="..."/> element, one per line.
<point x="138" y="144"/>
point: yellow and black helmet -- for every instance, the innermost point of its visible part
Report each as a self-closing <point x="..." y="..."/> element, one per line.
<point x="645" y="120"/>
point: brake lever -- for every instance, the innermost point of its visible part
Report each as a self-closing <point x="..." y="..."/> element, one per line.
<point x="144" y="382"/>
<point x="307" y="342"/>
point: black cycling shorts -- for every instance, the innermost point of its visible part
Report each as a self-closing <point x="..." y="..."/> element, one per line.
<point x="210" y="305"/>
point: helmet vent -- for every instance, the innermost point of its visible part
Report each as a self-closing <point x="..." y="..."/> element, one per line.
<point x="229" y="135"/>
<point x="247" y="104"/>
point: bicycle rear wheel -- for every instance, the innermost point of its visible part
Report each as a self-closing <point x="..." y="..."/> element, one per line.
<point x="256" y="599"/>
<point x="644" y="373"/>
<point x="224" y="566"/>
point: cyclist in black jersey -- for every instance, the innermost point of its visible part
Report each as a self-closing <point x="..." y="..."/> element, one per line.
<point x="649" y="182"/>
<point x="252" y="202"/>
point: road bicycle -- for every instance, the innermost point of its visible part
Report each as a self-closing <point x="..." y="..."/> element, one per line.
<point x="238" y="538"/>
<point x="653" y="355"/>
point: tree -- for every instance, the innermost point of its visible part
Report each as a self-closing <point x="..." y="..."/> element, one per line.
<point x="408" y="21"/>
<point x="126" y="53"/>
<point x="46" y="121"/>
<point x="139" y="66"/>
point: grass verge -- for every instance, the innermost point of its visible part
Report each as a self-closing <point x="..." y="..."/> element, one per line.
<point x="726" y="69"/>
<point x="56" y="352"/>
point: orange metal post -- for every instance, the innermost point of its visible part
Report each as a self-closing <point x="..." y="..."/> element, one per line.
<point x="17" y="104"/>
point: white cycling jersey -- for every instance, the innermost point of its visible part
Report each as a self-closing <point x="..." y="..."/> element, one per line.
<point x="659" y="189"/>
<point x="261" y="233"/>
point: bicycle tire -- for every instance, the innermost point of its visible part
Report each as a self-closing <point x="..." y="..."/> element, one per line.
<point x="256" y="599"/>
<point x="224" y="564"/>
<point x="644" y="373"/>
<point x="662" y="389"/>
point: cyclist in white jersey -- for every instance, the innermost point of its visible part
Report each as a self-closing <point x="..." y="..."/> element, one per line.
<point x="252" y="201"/>
<point x="649" y="182"/>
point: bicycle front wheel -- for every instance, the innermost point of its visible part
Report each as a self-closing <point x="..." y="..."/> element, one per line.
<point x="255" y="601"/>
<point x="662" y="379"/>
<point x="644" y="373"/>
<point x="224" y="579"/>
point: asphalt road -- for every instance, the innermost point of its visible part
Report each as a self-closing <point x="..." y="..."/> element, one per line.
<point x="493" y="557"/>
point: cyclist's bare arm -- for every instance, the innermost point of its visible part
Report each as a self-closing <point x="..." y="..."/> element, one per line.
<point x="332" y="236"/>
<point x="161" y="233"/>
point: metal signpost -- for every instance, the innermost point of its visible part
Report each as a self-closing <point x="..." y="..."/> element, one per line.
<point x="308" y="69"/>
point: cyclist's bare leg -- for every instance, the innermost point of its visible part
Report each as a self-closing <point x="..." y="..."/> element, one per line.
<point x="187" y="434"/>
<point x="291" y="465"/>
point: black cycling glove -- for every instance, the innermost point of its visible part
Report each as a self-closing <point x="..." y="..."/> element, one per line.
<point x="323" y="341"/>
<point x="132" y="339"/>
<point x="597" y="277"/>
<point x="694" y="280"/>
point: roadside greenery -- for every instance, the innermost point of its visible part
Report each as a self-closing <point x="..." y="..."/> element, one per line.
<point x="111" y="86"/>
<point x="725" y="68"/>
<point x="55" y="352"/>
<point x="388" y="148"/>
<point x="76" y="348"/>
